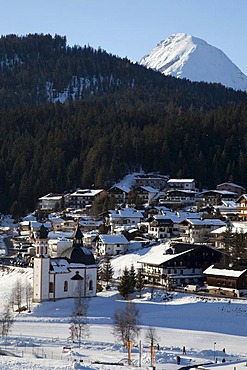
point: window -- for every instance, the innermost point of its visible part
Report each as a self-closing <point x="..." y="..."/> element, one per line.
<point x="90" y="285"/>
<point x="51" y="287"/>
<point x="65" y="286"/>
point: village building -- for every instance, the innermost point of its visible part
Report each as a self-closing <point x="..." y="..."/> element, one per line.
<point x="29" y="228"/>
<point x="57" y="223"/>
<point x="112" y="245"/>
<point x="50" y="203"/>
<point x="197" y="230"/>
<point x="215" y="197"/>
<point x="228" y="280"/>
<point x="176" y="217"/>
<point x="122" y="216"/>
<point x="154" y="180"/>
<point x="177" y="264"/>
<point x="57" y="278"/>
<point x="89" y="224"/>
<point x="120" y="193"/>
<point x="230" y="186"/>
<point x="146" y="194"/>
<point x="228" y="210"/>
<point x="160" y="227"/>
<point x="185" y="184"/>
<point x="85" y="198"/>
<point x="217" y="236"/>
<point x="242" y="207"/>
<point x="58" y="245"/>
<point x="179" y="197"/>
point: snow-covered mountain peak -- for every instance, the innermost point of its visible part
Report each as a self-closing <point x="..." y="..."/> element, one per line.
<point x="186" y="56"/>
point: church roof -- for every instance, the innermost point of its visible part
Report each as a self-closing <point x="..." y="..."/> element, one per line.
<point x="79" y="255"/>
<point x="43" y="232"/>
<point x="78" y="234"/>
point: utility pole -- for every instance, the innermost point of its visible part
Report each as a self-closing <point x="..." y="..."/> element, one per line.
<point x="140" y="353"/>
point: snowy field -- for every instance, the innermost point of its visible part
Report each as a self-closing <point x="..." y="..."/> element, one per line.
<point x="203" y="325"/>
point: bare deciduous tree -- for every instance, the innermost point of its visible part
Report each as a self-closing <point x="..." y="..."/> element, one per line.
<point x="126" y="323"/>
<point x="17" y="294"/>
<point x="79" y="321"/>
<point x="29" y="295"/>
<point x="6" y="320"/>
<point x="151" y="335"/>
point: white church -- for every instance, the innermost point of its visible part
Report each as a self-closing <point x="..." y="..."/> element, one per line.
<point x="58" y="277"/>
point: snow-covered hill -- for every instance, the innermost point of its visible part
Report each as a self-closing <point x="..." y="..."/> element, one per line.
<point x="39" y="340"/>
<point x="186" y="56"/>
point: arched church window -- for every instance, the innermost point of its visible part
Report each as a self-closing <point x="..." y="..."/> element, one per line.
<point x="65" y="286"/>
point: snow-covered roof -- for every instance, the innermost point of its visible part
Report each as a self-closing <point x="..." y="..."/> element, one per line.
<point x="60" y="234"/>
<point x="243" y="196"/>
<point x="86" y="192"/>
<point x="212" y="270"/>
<point x="56" y="220"/>
<point x="236" y="227"/>
<point x="220" y="192"/>
<point x="123" y="188"/>
<point x="231" y="184"/>
<point x="50" y="196"/>
<point x="92" y="223"/>
<point x="160" y="217"/>
<point x="206" y="222"/>
<point x="156" y="256"/>
<point x="180" y="180"/>
<point x="126" y="213"/>
<point x="149" y="189"/>
<point x="113" y="239"/>
<point x="182" y="191"/>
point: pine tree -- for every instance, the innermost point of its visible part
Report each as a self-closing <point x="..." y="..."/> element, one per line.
<point x="124" y="284"/>
<point x="139" y="282"/>
<point x="228" y="243"/>
<point x="132" y="278"/>
<point x="107" y="271"/>
<point x="239" y="245"/>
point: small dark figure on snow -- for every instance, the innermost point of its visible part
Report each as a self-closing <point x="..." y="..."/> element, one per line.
<point x="184" y="350"/>
<point x="224" y="350"/>
<point x="158" y="347"/>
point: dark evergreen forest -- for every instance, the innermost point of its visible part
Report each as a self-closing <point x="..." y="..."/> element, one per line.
<point x="117" y="117"/>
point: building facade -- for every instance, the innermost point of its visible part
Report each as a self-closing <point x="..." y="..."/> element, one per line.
<point x="63" y="277"/>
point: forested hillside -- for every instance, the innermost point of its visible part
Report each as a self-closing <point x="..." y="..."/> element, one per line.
<point x="116" y="118"/>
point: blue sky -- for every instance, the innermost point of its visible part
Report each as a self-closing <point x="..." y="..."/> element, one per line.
<point x="131" y="28"/>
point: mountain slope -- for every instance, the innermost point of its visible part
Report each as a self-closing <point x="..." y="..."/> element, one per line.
<point x="185" y="56"/>
<point x="36" y="69"/>
<point x="123" y="118"/>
